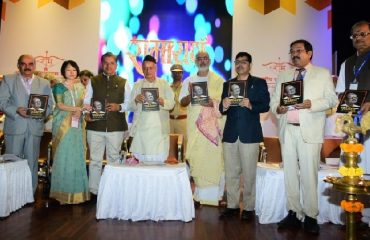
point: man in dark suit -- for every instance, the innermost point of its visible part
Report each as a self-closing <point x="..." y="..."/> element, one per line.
<point x="22" y="133"/>
<point x="242" y="136"/>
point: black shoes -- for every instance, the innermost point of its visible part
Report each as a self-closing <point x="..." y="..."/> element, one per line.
<point x="228" y="212"/>
<point x="310" y="225"/>
<point x="290" y="221"/>
<point x="247" y="215"/>
<point x="196" y="204"/>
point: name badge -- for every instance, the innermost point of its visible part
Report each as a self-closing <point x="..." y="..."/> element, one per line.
<point x="75" y="122"/>
<point x="353" y="86"/>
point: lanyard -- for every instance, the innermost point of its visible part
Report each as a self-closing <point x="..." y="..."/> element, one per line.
<point x="357" y="72"/>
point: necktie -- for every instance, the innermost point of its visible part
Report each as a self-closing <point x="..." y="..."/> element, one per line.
<point x="300" y="74"/>
<point x="28" y="85"/>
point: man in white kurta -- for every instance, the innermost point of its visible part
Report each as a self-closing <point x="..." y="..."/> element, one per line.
<point x="150" y="129"/>
<point x="205" y="123"/>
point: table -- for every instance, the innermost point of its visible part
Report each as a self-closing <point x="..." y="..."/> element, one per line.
<point x="145" y="192"/>
<point x="271" y="200"/>
<point x="15" y="186"/>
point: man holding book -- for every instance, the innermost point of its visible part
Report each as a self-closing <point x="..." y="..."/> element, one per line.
<point x="106" y="133"/>
<point x="22" y="132"/>
<point x="151" y="125"/>
<point x="204" y="148"/>
<point x="301" y="134"/>
<point x="242" y="136"/>
<point x="355" y="75"/>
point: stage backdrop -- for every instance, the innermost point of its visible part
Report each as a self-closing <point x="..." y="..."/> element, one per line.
<point x="172" y="31"/>
<point x="266" y="28"/>
<point x="50" y="30"/>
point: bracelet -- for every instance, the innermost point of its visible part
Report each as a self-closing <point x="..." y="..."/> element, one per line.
<point x="120" y="108"/>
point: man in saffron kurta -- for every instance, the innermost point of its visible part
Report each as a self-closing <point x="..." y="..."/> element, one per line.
<point x="150" y="129"/>
<point x="205" y="123"/>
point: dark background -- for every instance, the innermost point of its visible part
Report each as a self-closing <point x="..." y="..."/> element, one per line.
<point x="345" y="14"/>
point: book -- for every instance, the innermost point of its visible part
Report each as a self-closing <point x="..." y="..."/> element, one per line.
<point x="199" y="93"/>
<point x="37" y="106"/>
<point x="291" y="93"/>
<point x="236" y="92"/>
<point x="351" y="101"/>
<point x="98" y="109"/>
<point x="151" y="99"/>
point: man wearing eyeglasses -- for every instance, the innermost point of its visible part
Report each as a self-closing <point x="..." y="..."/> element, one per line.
<point x="301" y="134"/>
<point x="242" y="136"/>
<point x="22" y="133"/>
<point x="355" y="75"/>
<point x="204" y="122"/>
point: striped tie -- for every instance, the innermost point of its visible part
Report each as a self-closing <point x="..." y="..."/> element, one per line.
<point x="300" y="74"/>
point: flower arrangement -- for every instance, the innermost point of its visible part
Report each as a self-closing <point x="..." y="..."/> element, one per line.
<point x="351" y="206"/>
<point x="347" y="148"/>
<point x="351" y="171"/>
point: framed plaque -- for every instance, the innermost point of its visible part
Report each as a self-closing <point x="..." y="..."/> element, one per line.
<point x="37" y="106"/>
<point x="151" y="99"/>
<point x="199" y="93"/>
<point x="351" y="101"/>
<point x="236" y="92"/>
<point x="98" y="109"/>
<point x="291" y="93"/>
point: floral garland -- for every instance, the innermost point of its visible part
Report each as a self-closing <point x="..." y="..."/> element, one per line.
<point x="351" y="172"/>
<point x="357" y="148"/>
<point x="351" y="206"/>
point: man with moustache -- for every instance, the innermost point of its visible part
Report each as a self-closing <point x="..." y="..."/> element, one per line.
<point x="242" y="136"/>
<point x="22" y="133"/>
<point x="355" y="75"/>
<point x="106" y="135"/>
<point x="301" y="134"/>
<point x="204" y="148"/>
<point x="150" y="129"/>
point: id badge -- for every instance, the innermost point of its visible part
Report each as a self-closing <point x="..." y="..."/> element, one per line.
<point x="75" y="122"/>
<point x="353" y="86"/>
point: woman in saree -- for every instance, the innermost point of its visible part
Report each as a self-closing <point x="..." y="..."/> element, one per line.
<point x="69" y="183"/>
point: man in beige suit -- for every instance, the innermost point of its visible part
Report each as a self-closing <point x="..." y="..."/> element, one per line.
<point x="301" y="134"/>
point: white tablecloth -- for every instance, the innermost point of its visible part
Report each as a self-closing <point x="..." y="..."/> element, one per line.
<point x="15" y="186"/>
<point x="271" y="200"/>
<point x="145" y="192"/>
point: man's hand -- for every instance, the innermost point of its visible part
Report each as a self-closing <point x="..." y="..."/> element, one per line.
<point x="246" y="103"/>
<point x="22" y="111"/>
<point x="365" y="107"/>
<point x="161" y="101"/>
<point x="139" y="98"/>
<point x="208" y="104"/>
<point x="226" y="103"/>
<point x="281" y="110"/>
<point x="112" y="107"/>
<point x="305" y="105"/>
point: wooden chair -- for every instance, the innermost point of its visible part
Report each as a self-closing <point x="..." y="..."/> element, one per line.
<point x="176" y="147"/>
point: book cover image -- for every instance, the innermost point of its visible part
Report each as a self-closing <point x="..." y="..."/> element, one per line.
<point x="236" y="92"/>
<point x="98" y="109"/>
<point x="151" y="99"/>
<point x="291" y="93"/>
<point x="37" y="106"/>
<point x="351" y="101"/>
<point x="199" y="93"/>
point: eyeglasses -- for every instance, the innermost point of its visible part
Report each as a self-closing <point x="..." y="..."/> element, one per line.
<point x="237" y="62"/>
<point x="361" y="34"/>
<point x="202" y="58"/>
<point x="26" y="64"/>
<point x="298" y="51"/>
